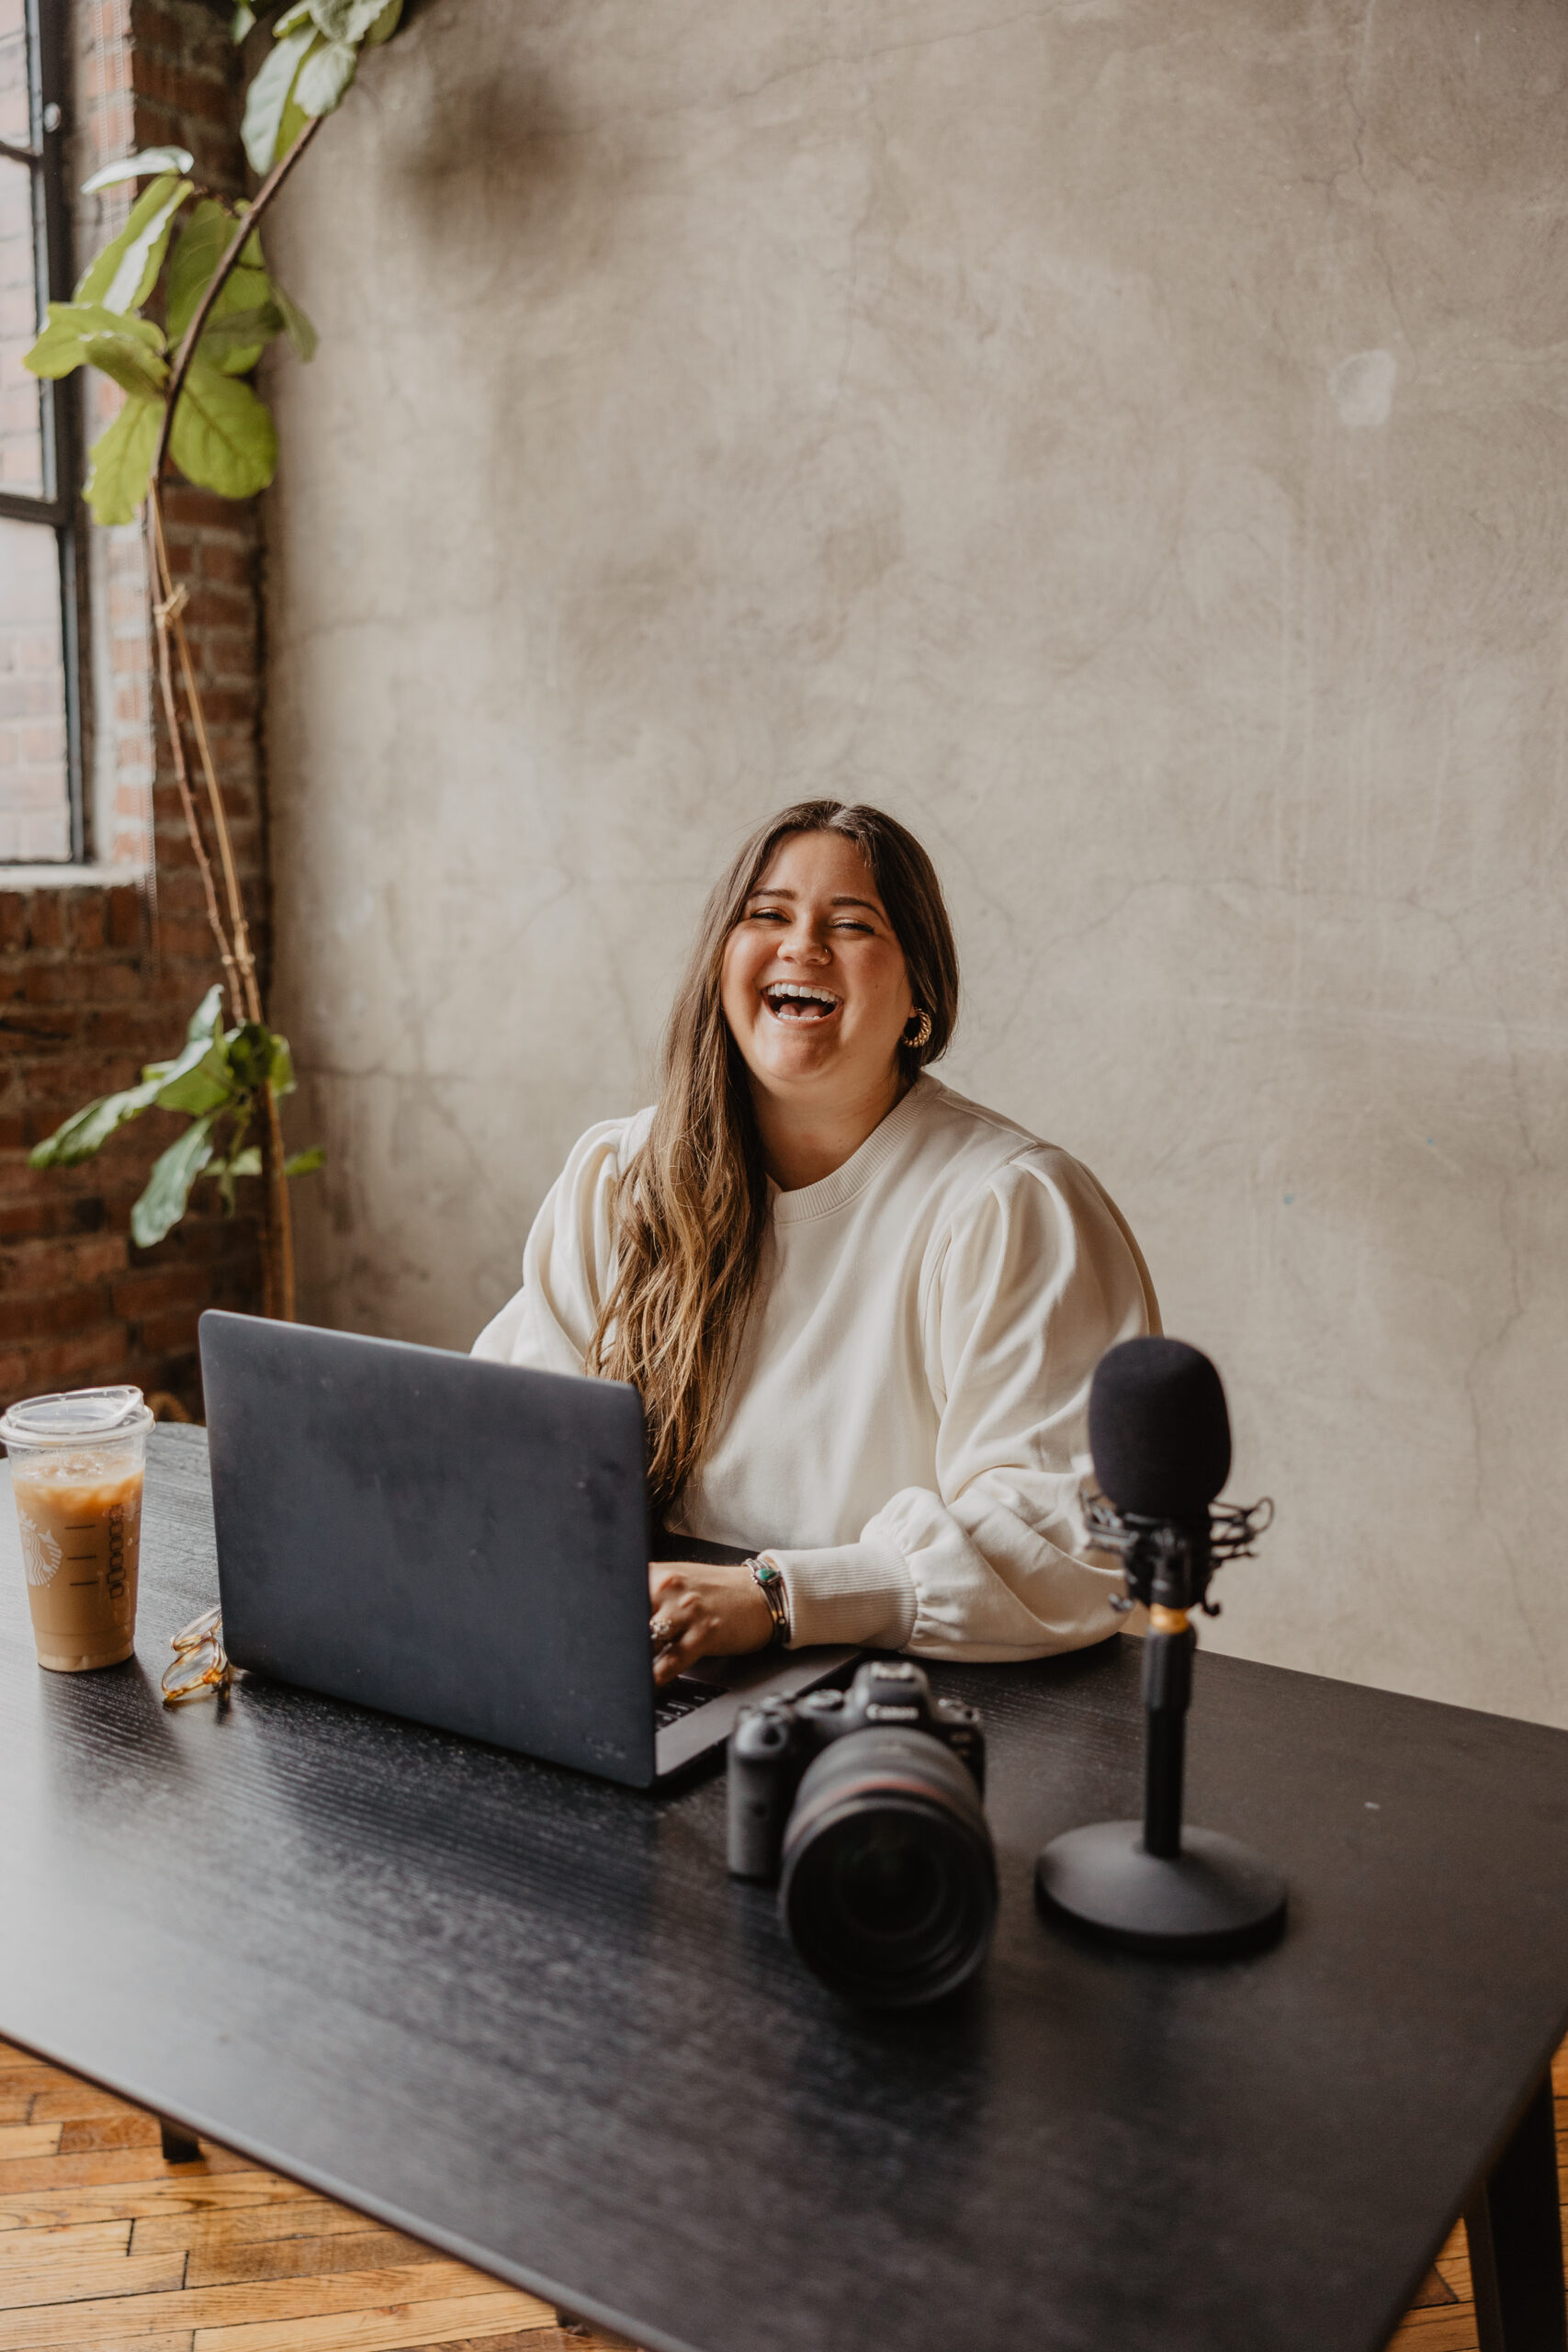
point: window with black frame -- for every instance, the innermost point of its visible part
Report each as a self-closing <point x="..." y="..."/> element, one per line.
<point x="41" y="795"/>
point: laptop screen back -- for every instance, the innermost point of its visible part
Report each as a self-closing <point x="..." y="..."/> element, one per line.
<point x="458" y="1542"/>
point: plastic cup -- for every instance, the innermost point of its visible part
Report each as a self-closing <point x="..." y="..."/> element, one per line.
<point x="76" y="1470"/>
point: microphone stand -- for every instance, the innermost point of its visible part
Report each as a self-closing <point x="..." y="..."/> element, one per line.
<point x="1152" y="1884"/>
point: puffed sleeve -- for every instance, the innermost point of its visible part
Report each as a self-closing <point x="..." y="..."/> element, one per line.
<point x="1035" y="1277"/>
<point x="569" y="1260"/>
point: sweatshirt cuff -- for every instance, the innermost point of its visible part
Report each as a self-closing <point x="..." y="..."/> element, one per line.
<point x="859" y="1593"/>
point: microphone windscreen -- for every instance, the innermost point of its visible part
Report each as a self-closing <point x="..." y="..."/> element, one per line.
<point x="1159" y="1430"/>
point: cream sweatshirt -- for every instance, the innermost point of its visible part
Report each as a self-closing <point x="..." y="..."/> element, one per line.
<point x="906" y="1430"/>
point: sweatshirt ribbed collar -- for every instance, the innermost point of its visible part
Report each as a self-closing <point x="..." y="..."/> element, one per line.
<point x="832" y="1192"/>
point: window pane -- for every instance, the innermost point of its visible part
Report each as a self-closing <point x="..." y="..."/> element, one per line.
<point x="35" y="797"/>
<point x="21" y="430"/>
<point x="15" y="124"/>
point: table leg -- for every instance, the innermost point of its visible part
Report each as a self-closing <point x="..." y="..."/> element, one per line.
<point x="1514" y="2225"/>
<point x="179" y="2148"/>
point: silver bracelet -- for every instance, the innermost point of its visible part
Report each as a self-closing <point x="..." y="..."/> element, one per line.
<point x="771" y="1585"/>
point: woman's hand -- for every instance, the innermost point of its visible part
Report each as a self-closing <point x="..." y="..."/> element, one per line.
<point x="701" y="1611"/>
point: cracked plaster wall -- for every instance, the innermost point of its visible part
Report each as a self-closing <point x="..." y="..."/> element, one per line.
<point x="1129" y="441"/>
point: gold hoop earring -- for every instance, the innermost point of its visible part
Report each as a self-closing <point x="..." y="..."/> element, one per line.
<point x="922" y="1034"/>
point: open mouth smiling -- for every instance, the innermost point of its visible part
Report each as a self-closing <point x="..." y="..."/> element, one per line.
<point x="793" y="1002"/>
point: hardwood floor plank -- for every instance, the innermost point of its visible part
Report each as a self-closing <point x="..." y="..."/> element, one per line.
<point x="127" y="2167"/>
<point x="178" y="2341"/>
<point x="171" y="2194"/>
<point x="1434" y="2289"/>
<point x="127" y="2127"/>
<point x="396" y="2328"/>
<point x="17" y="2107"/>
<point x="25" y="2139"/>
<point x="64" y="2101"/>
<point x="523" y="2339"/>
<point x="305" y="2257"/>
<point x="80" y="2279"/>
<point x="261" y="2301"/>
<point x="1437" y="2331"/>
<point x="237" y="2226"/>
<point x="24" y="2246"/>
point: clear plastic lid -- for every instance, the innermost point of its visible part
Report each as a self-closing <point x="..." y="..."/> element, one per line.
<point x="74" y="1417"/>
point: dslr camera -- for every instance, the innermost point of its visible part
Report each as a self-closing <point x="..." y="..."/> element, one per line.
<point x="865" y="1807"/>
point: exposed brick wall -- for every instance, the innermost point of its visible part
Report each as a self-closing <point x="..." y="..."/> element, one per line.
<point x="83" y="1005"/>
<point x="94" y="981"/>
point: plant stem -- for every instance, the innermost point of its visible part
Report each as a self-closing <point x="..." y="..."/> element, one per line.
<point x="163" y="604"/>
<point x="220" y="278"/>
<point x="238" y="963"/>
<point x="239" y="929"/>
<point x="280" y="1218"/>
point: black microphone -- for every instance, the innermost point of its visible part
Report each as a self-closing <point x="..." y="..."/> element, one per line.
<point x="1158" y="1428"/>
<point x="1160" y="1438"/>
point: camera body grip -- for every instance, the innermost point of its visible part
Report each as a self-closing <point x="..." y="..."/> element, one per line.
<point x="772" y="1744"/>
<point x="761" y="1790"/>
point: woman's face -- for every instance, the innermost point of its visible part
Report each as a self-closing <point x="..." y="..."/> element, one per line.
<point x="813" y="982"/>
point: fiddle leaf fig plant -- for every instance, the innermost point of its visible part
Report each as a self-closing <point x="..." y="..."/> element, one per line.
<point x="177" y="311"/>
<point x="219" y="1078"/>
<point x="178" y="237"/>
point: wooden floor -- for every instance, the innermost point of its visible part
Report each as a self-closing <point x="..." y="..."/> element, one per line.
<point x="102" y="2244"/>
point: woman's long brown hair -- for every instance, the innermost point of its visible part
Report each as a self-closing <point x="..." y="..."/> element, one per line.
<point x="692" y="1206"/>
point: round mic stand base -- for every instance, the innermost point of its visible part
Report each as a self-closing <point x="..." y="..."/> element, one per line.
<point x="1214" y="1896"/>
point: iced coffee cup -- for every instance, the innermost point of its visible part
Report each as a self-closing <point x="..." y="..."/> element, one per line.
<point x="77" y="1468"/>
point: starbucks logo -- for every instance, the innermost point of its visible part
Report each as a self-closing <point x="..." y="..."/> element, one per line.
<point x="40" y="1550"/>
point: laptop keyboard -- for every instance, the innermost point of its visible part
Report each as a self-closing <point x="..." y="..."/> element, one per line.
<point x="683" y="1697"/>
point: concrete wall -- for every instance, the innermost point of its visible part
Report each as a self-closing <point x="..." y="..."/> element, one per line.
<point x="1128" y="441"/>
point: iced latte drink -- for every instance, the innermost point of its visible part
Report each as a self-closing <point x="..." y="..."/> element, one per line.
<point x="76" y="1469"/>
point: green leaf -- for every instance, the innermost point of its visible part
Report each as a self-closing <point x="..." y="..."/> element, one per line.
<point x="247" y="1162"/>
<point x="205" y="237"/>
<point x="349" y="20"/>
<point x="250" y="1049"/>
<point x="87" y="1130"/>
<point x="78" y="333"/>
<point x="207" y="1021"/>
<point x="324" y="77"/>
<point x="139" y="166"/>
<point x="240" y="24"/>
<point x="163" y="1204"/>
<point x="299" y="15"/>
<point x="138" y="371"/>
<point x="211" y="1086"/>
<point x="267" y="97"/>
<point x="199" y="1041"/>
<point x="237" y="339"/>
<point x="295" y="325"/>
<point x="120" y="462"/>
<point x="386" y="24"/>
<point x="305" y="1163"/>
<point x="280" y="1066"/>
<point x="224" y="438"/>
<point x="294" y="122"/>
<point x="124" y="273"/>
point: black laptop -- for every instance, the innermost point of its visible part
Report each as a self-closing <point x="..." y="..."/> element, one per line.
<point x="462" y="1543"/>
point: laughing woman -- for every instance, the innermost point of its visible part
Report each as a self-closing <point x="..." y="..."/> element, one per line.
<point x="862" y="1312"/>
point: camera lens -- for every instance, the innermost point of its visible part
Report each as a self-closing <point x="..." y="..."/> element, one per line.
<point x="889" y="1884"/>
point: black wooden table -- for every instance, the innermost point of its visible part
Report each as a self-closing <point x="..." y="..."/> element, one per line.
<point x="526" y="2016"/>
